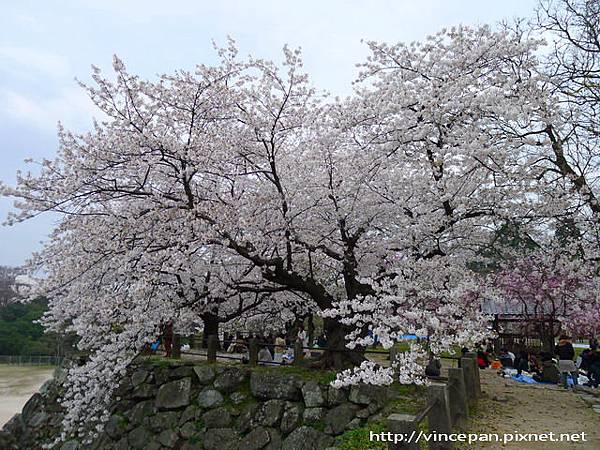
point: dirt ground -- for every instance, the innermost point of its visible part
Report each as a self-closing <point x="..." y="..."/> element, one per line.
<point x="17" y="384"/>
<point x="508" y="407"/>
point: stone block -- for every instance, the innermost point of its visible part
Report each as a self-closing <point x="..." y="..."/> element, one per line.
<point x="175" y="394"/>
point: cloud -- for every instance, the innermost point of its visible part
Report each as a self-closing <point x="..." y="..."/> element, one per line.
<point x="33" y="59"/>
<point x="70" y="105"/>
<point x="28" y="21"/>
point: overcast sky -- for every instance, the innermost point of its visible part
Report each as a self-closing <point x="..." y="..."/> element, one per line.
<point x="45" y="45"/>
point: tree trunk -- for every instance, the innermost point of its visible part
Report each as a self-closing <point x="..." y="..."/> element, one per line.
<point x="211" y="328"/>
<point x="338" y="356"/>
<point x="549" y="335"/>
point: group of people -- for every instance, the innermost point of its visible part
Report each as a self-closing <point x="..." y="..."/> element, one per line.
<point x="556" y="367"/>
<point x="272" y="349"/>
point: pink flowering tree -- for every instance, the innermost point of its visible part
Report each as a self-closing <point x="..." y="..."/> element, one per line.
<point x="553" y="291"/>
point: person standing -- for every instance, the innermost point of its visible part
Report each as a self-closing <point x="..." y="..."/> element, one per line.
<point x="168" y="338"/>
<point x="566" y="366"/>
<point x="269" y="342"/>
<point x="303" y="338"/>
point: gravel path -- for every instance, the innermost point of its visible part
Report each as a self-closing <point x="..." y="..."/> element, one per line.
<point x="508" y="407"/>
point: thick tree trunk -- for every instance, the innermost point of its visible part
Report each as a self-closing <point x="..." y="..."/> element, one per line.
<point x="550" y="332"/>
<point x="211" y="327"/>
<point x="338" y="356"/>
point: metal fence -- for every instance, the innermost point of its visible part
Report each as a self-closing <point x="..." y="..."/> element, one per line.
<point x="31" y="360"/>
<point x="251" y="350"/>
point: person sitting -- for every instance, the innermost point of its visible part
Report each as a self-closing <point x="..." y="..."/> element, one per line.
<point x="238" y="345"/>
<point x="434" y="367"/>
<point x="269" y="342"/>
<point x="522" y="362"/>
<point x="279" y="348"/>
<point x="512" y="356"/>
<point x="463" y="352"/>
<point x="594" y="368"/>
<point x="322" y="340"/>
<point x="482" y="359"/>
<point x="534" y="365"/>
<point x="549" y="372"/>
<point x="264" y="356"/>
<point x="227" y="338"/>
<point x="154" y="346"/>
<point x="505" y="358"/>
<point x="584" y="357"/>
<point x="288" y="356"/>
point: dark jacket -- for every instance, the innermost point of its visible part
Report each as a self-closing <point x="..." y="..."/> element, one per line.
<point x="565" y="350"/>
<point x="433" y="368"/>
<point x="550" y="373"/>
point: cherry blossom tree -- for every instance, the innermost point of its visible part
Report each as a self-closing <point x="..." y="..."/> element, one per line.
<point x="566" y="131"/>
<point x="453" y="162"/>
<point x="435" y="299"/>
<point x="238" y="188"/>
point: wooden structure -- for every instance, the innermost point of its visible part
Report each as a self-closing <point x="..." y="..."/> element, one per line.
<point x="519" y="332"/>
<point x="447" y="406"/>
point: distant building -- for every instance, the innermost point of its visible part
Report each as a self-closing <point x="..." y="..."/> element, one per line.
<point x="519" y="327"/>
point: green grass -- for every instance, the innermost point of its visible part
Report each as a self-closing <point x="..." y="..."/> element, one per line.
<point x="407" y="398"/>
<point x="358" y="439"/>
<point x="424" y="427"/>
<point x="157" y="360"/>
<point x="403" y="346"/>
<point x="304" y="373"/>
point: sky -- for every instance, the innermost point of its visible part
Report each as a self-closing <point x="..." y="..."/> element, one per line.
<point x="45" y="46"/>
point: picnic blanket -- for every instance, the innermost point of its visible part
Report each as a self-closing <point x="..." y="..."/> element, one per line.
<point x="523" y="379"/>
<point x="529" y="380"/>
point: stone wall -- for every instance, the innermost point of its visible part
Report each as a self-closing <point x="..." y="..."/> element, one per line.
<point x="189" y="406"/>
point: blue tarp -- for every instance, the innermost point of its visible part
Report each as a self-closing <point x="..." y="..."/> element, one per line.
<point x="527" y="379"/>
<point x="523" y="379"/>
<point x="409" y="337"/>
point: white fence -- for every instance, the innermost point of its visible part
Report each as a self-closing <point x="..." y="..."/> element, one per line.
<point x="31" y="360"/>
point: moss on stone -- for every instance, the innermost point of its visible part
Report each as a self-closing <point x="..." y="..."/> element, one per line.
<point x="304" y="373"/>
